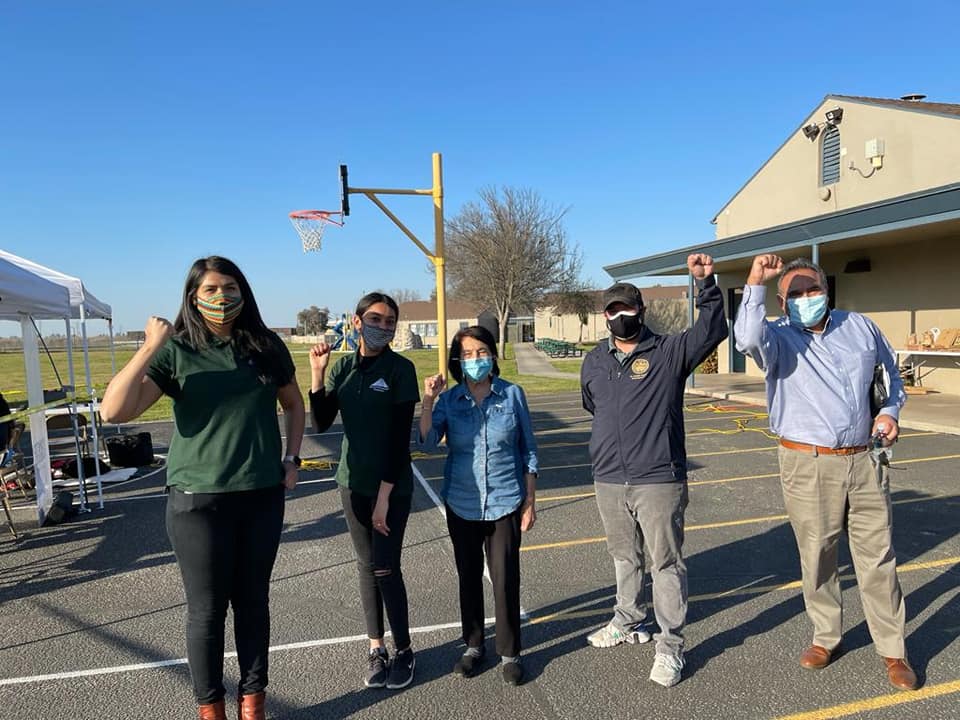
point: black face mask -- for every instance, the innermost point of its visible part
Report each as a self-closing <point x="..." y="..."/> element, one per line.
<point x="626" y="327"/>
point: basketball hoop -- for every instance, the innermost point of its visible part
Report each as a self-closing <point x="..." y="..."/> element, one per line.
<point x="310" y="225"/>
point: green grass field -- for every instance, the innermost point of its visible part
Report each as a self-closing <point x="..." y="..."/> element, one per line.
<point x="13" y="375"/>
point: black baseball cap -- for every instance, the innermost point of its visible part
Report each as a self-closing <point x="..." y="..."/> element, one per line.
<point x="625" y="293"/>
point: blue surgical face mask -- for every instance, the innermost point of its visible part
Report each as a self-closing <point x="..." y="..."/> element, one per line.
<point x="477" y="369"/>
<point x="806" y="311"/>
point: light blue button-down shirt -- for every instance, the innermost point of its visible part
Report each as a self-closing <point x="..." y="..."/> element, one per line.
<point x="489" y="448"/>
<point x="818" y="384"/>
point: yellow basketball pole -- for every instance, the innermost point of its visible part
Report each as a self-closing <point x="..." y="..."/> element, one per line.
<point x="436" y="257"/>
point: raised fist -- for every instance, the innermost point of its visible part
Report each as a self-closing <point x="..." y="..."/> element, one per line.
<point x="320" y="356"/>
<point x="700" y="265"/>
<point x="157" y="331"/>
<point x="432" y="386"/>
<point x="764" y="268"/>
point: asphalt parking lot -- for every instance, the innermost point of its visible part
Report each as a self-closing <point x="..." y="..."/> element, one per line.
<point x="92" y="610"/>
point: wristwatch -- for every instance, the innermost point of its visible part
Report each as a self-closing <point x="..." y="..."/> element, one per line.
<point x="295" y="459"/>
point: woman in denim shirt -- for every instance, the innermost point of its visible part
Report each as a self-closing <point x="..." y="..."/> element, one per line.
<point x="489" y="482"/>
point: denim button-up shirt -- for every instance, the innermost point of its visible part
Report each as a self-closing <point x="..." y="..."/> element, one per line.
<point x="490" y="447"/>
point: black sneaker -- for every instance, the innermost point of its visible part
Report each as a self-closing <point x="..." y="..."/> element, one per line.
<point x="401" y="670"/>
<point x="468" y="665"/>
<point x="513" y="673"/>
<point x="377" y="664"/>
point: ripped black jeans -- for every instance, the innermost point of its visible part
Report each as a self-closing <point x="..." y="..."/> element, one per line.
<point x="378" y="563"/>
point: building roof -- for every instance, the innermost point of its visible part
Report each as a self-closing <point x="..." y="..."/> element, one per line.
<point x="424" y="310"/>
<point x="912" y="105"/>
<point x="936" y="205"/>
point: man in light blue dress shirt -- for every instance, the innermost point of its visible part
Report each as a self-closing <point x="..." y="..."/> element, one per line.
<point x="819" y="366"/>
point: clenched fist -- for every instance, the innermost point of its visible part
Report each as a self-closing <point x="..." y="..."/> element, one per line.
<point x="157" y="331"/>
<point x="432" y="387"/>
<point x="700" y="265"/>
<point x="764" y="268"/>
<point x="320" y="357"/>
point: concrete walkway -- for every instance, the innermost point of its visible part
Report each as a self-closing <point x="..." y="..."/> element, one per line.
<point x="531" y="361"/>
<point x="935" y="412"/>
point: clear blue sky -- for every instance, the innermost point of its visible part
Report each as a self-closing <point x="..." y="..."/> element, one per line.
<point x="139" y="136"/>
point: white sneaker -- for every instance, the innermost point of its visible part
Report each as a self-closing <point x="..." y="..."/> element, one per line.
<point x="610" y="636"/>
<point x="666" y="669"/>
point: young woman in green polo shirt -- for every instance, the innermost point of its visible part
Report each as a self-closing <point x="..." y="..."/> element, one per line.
<point x="226" y="472"/>
<point x="375" y="391"/>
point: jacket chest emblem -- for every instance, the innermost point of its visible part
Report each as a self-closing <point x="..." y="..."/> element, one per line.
<point x="379" y="386"/>
<point x="639" y="368"/>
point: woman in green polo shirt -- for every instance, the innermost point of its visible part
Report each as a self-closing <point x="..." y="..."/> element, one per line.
<point x="225" y="371"/>
<point x="375" y="391"/>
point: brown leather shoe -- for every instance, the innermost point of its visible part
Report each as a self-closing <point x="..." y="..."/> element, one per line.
<point x="212" y="711"/>
<point x="252" y="707"/>
<point x="900" y="673"/>
<point x="815" y="657"/>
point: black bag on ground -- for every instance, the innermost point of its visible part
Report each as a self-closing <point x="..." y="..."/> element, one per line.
<point x="89" y="468"/>
<point x="130" y="450"/>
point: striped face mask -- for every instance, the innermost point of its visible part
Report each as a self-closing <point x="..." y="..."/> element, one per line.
<point x="220" y="309"/>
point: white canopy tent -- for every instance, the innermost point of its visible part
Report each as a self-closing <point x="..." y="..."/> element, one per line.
<point x="23" y="297"/>
<point x="81" y="305"/>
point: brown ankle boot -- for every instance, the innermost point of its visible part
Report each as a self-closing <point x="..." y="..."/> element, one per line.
<point x="251" y="707"/>
<point x="213" y="711"/>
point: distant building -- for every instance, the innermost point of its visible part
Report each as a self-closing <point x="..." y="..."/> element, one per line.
<point x="666" y="312"/>
<point x="420" y="318"/>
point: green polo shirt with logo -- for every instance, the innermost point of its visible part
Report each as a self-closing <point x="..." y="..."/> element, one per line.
<point x="226" y="436"/>
<point x="366" y="397"/>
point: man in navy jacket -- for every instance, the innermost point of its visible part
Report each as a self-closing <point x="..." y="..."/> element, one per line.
<point x="633" y="386"/>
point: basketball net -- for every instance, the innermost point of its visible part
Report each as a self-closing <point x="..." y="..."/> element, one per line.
<point x="310" y="225"/>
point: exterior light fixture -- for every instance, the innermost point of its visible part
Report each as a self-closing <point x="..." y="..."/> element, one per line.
<point x="811" y="131"/>
<point x="834" y="116"/>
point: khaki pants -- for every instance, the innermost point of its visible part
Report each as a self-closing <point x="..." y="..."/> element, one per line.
<point x="825" y="495"/>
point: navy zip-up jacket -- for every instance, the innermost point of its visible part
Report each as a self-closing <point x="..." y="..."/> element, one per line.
<point x="637" y="405"/>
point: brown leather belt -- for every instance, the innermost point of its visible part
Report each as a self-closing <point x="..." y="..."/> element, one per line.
<point x="818" y="450"/>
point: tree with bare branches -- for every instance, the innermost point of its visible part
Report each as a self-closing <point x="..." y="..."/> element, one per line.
<point x="579" y="301"/>
<point x="508" y="250"/>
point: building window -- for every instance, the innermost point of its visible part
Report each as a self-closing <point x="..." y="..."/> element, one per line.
<point x="431" y="330"/>
<point x="464" y="324"/>
<point x="830" y="157"/>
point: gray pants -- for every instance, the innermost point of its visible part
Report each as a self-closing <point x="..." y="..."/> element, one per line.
<point x="825" y="495"/>
<point x="651" y="516"/>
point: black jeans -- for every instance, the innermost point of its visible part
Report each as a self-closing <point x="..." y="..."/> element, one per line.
<point x="378" y="563"/>
<point x="226" y="544"/>
<point x="500" y="540"/>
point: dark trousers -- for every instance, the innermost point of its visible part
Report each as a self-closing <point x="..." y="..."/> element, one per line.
<point x="378" y="564"/>
<point x="226" y="544"/>
<point x="500" y="540"/>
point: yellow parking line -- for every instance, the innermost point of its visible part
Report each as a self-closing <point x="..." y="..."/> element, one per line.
<point x="704" y="526"/>
<point x="876" y="703"/>
<point x="575" y="496"/>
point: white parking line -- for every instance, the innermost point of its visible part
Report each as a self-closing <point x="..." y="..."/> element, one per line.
<point x="183" y="661"/>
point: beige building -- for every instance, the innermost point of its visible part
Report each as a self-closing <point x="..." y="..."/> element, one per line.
<point x="666" y="313"/>
<point x="420" y="318"/>
<point x="870" y="189"/>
